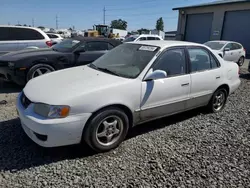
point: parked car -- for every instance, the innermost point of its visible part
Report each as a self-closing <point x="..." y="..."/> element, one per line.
<point x="55" y="38"/>
<point x="13" y="38"/>
<point x="24" y="65"/>
<point x="132" y="84"/>
<point x="228" y="50"/>
<point x="134" y="38"/>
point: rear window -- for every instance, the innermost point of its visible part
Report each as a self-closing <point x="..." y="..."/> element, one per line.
<point x="4" y="33"/>
<point x="24" y="34"/>
<point x="52" y="36"/>
<point x="215" y="45"/>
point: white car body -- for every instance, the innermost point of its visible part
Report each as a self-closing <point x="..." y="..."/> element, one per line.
<point x="234" y="54"/>
<point x="55" y="37"/>
<point x="143" y="37"/>
<point x="87" y="90"/>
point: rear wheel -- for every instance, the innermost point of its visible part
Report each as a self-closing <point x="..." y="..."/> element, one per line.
<point x="107" y="129"/>
<point x="218" y="100"/>
<point x="241" y="61"/>
<point x="38" y="70"/>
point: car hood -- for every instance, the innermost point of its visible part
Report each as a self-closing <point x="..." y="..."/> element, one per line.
<point x="62" y="86"/>
<point x="21" y="54"/>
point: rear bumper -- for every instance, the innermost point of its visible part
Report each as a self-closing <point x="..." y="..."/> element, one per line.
<point x="12" y="75"/>
<point x="234" y="86"/>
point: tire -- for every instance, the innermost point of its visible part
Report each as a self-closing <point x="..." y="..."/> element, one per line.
<point x="96" y="126"/>
<point x="33" y="72"/>
<point x="211" y="107"/>
<point x="241" y="61"/>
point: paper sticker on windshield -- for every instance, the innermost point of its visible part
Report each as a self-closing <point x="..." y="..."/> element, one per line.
<point x="148" y="48"/>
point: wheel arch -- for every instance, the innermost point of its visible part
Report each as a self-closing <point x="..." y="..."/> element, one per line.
<point x="224" y="86"/>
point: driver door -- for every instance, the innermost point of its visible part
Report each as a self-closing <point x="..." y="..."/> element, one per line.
<point x="92" y="51"/>
<point x="231" y="54"/>
<point x="169" y="95"/>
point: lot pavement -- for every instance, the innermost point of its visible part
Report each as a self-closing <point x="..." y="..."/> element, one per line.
<point x="193" y="149"/>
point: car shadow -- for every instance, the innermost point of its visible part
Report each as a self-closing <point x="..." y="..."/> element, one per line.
<point x="18" y="152"/>
<point x="245" y="76"/>
<point x="7" y="87"/>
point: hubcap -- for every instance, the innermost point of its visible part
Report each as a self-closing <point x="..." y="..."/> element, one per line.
<point x="109" y="130"/>
<point x="219" y="100"/>
<point x="40" y="71"/>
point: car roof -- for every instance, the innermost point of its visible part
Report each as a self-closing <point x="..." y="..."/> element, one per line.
<point x="166" y="43"/>
<point x="97" y="39"/>
<point x="224" y="41"/>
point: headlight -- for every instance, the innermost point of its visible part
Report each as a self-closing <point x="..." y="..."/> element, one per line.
<point x="51" y="111"/>
<point x="11" y="64"/>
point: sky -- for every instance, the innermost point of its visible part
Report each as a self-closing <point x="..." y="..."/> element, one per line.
<point x="83" y="14"/>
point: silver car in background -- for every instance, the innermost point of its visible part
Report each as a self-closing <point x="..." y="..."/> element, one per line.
<point x="13" y="38"/>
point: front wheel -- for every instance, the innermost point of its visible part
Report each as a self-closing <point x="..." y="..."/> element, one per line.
<point x="241" y="61"/>
<point x="106" y="130"/>
<point x="38" y="70"/>
<point x="218" y="100"/>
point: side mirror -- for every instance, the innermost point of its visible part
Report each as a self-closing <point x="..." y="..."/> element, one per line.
<point x="226" y="49"/>
<point x="157" y="74"/>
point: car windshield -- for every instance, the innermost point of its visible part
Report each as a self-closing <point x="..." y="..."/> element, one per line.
<point x="129" y="39"/>
<point x="66" y="45"/>
<point x="215" y="45"/>
<point x="126" y="60"/>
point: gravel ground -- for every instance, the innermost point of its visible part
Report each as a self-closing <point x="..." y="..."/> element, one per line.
<point x="192" y="149"/>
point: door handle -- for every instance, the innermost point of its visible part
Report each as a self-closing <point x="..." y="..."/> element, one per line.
<point x="186" y="84"/>
<point x="217" y="77"/>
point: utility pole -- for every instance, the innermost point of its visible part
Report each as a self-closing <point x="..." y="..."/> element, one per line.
<point x="56" y="22"/>
<point x="104" y="15"/>
<point x="33" y="22"/>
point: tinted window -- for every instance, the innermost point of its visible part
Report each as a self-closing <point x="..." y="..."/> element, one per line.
<point x="110" y="47"/>
<point x="230" y="46"/>
<point x="142" y="38"/>
<point x="214" y="63"/>
<point x="199" y="59"/>
<point x="236" y="46"/>
<point x="129" y="39"/>
<point x="4" y="33"/>
<point x="156" y="38"/>
<point x="25" y="34"/>
<point x="173" y="62"/>
<point x="215" y="45"/>
<point x="151" y="38"/>
<point x="66" y="45"/>
<point x="52" y="36"/>
<point x="96" y="46"/>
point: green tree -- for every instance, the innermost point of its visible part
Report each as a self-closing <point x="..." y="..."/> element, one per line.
<point x="143" y="31"/>
<point x="119" y="24"/>
<point x="160" y="24"/>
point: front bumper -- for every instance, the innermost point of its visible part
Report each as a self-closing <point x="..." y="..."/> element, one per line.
<point x="12" y="75"/>
<point x="51" y="132"/>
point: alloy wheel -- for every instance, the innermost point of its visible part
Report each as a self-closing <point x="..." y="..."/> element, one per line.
<point x="40" y="71"/>
<point x="219" y="100"/>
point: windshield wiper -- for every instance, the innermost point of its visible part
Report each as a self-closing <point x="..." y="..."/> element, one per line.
<point x="103" y="69"/>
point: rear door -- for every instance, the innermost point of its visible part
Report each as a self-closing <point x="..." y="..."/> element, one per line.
<point x="93" y="50"/>
<point x="206" y="76"/>
<point x="7" y="43"/>
<point x="230" y="55"/>
<point x="238" y="51"/>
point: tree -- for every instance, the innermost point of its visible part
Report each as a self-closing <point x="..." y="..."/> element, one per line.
<point x="119" y="24"/>
<point x="25" y="25"/>
<point x="143" y="31"/>
<point x="41" y="27"/>
<point x="160" y="24"/>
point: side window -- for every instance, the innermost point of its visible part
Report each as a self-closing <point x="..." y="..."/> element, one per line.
<point x="142" y="38"/>
<point x="96" y="46"/>
<point x="110" y="47"/>
<point x="4" y="33"/>
<point x="214" y="63"/>
<point x="25" y="34"/>
<point x="173" y="62"/>
<point x="230" y="46"/>
<point x="156" y="38"/>
<point x="150" y="38"/>
<point x="52" y="36"/>
<point x="199" y="59"/>
<point x="236" y="46"/>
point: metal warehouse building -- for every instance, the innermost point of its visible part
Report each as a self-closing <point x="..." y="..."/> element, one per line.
<point x="219" y="20"/>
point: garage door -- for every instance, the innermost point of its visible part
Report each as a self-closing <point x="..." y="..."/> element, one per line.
<point x="237" y="28"/>
<point x="198" y="27"/>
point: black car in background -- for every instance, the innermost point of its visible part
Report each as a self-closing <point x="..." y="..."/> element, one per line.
<point x="21" y="66"/>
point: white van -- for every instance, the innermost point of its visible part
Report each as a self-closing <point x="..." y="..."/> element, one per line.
<point x="13" y="38"/>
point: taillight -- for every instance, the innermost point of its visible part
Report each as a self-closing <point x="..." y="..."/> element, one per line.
<point x="49" y="43"/>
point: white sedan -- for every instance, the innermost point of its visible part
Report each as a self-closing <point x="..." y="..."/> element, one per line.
<point x="134" y="83"/>
<point x="228" y="50"/>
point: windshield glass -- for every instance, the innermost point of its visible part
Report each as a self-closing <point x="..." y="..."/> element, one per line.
<point x="126" y="60"/>
<point x="65" y="45"/>
<point x="215" y="45"/>
<point x="129" y="39"/>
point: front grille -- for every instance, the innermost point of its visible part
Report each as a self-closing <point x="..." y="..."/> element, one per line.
<point x="25" y="101"/>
